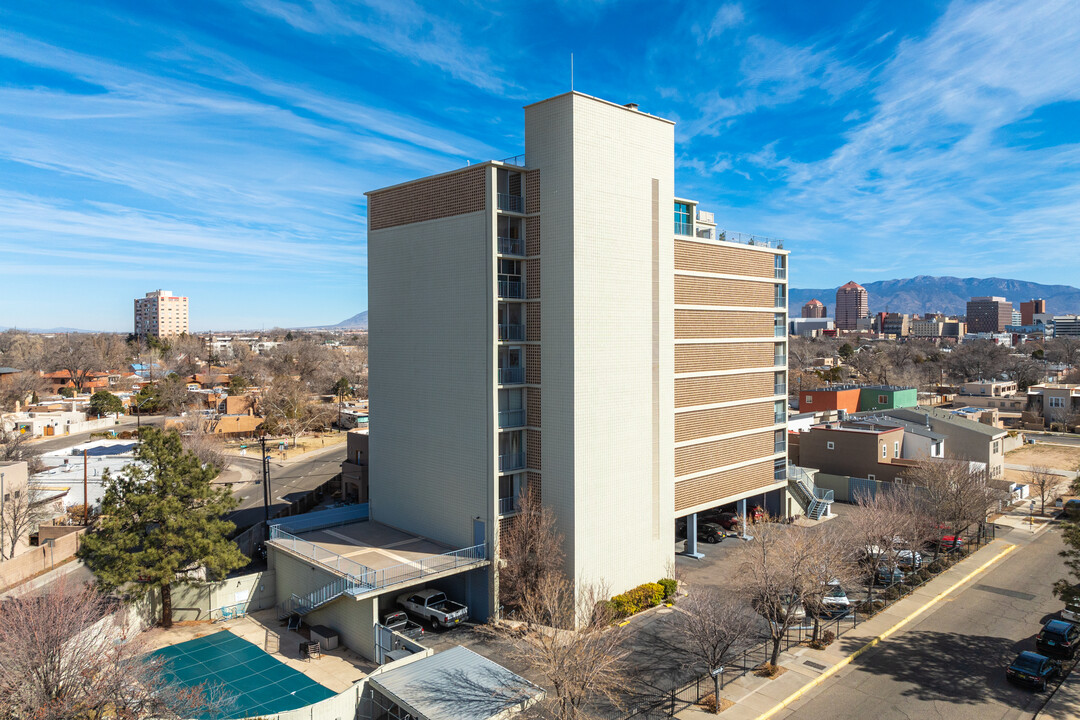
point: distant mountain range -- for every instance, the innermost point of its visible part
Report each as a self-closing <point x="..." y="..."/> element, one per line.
<point x="927" y="294"/>
<point x="356" y="322"/>
<point x="47" y="331"/>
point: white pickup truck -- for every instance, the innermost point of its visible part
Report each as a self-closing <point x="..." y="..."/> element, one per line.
<point x="433" y="606"/>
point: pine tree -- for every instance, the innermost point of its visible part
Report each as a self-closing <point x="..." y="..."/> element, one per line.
<point x="161" y="518"/>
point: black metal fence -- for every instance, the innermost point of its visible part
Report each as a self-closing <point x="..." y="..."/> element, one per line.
<point x="668" y="703"/>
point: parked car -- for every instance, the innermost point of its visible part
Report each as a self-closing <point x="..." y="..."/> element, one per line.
<point x="1058" y="639"/>
<point x="888" y="575"/>
<point x="1032" y="670"/>
<point x="755" y="513"/>
<point x="399" y="622"/>
<point x="908" y="560"/>
<point x="1071" y="611"/>
<point x="1071" y="509"/>
<point x="835" y="603"/>
<point x="432" y="605"/>
<point x="725" y="519"/>
<point x="950" y="543"/>
<point x="710" y="532"/>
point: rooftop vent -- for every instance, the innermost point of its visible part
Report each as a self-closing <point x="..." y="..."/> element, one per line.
<point x="632" y="106"/>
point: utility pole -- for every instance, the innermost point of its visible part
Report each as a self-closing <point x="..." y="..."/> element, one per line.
<point x="3" y="518"/>
<point x="266" y="484"/>
<point x="85" y="496"/>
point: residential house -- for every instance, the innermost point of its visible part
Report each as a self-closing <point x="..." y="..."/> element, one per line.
<point x="965" y="439"/>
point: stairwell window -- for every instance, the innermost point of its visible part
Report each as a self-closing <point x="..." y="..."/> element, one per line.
<point x="830" y="445"/>
<point x="896" y="449"/>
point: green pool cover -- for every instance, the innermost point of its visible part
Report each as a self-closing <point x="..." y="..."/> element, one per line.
<point x="258" y="683"/>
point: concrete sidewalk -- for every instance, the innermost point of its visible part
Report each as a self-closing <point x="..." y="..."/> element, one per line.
<point x="1065" y="702"/>
<point x="755" y="697"/>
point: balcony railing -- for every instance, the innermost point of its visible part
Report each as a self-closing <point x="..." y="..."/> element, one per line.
<point x="684" y="229"/>
<point x="511" y="376"/>
<point x="511" y="289"/>
<point x="781" y="273"/>
<point x="779" y="446"/>
<point x="509" y="331"/>
<point x="508" y="505"/>
<point x="780" y="360"/>
<point x="511" y="246"/>
<point x="511" y="203"/>
<point x="780" y="473"/>
<point x="755" y="240"/>
<point x="780" y="389"/>
<point x="511" y="461"/>
<point x="779" y="418"/>
<point x="781" y="301"/>
<point x="511" y="418"/>
<point x="780" y="330"/>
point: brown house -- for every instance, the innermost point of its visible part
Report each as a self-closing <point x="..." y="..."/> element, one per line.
<point x="860" y="450"/>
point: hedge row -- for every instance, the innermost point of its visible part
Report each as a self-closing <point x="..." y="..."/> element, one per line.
<point x="642" y="597"/>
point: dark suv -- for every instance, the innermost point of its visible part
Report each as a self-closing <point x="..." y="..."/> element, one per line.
<point x="1032" y="670"/>
<point x="1058" y="639"/>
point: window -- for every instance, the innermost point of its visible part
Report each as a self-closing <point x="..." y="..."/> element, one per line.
<point x="884" y="450"/>
<point x="809" y="400"/>
<point x="882" y="399"/>
<point x="830" y="445"/>
<point x="896" y="449"/>
<point x="871" y="476"/>
<point x="1057" y="402"/>
<point x="781" y="296"/>
<point x="996" y="446"/>
<point x="779" y="411"/>
<point x="683" y="225"/>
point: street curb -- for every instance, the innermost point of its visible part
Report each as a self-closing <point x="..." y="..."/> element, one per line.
<point x="899" y="624"/>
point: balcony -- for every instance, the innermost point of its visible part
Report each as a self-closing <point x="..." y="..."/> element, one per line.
<point x="512" y="461"/>
<point x="684" y="229"/>
<point x="780" y="446"/>
<point x="779" y="419"/>
<point x="780" y="330"/>
<point x="780" y="360"/>
<point x="509" y="331"/>
<point x="780" y="389"/>
<point x="780" y="473"/>
<point x="511" y="246"/>
<point x="508" y="506"/>
<point x="511" y="418"/>
<point x="514" y="289"/>
<point x="781" y="301"/>
<point x="781" y="273"/>
<point x="511" y="203"/>
<point x="512" y="376"/>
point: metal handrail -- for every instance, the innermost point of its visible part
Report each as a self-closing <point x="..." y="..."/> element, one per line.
<point x="512" y="418"/>
<point x="511" y="461"/>
<point x="360" y="578"/>
<point x="684" y="229"/>
<point x="779" y="330"/>
<point x="508" y="505"/>
<point x="780" y="389"/>
<point x="511" y="246"/>
<point x="746" y="239"/>
<point x="511" y="331"/>
<point x="779" y="360"/>
<point x="511" y="375"/>
<point x="518" y="160"/>
<point x="511" y="289"/>
<point x="511" y="203"/>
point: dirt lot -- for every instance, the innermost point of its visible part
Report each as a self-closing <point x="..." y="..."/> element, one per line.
<point x="1057" y="457"/>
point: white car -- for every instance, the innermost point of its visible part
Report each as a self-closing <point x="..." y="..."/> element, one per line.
<point x="836" y="600"/>
<point x="1071" y="611"/>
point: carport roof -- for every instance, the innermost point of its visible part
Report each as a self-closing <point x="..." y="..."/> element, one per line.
<point x="456" y="684"/>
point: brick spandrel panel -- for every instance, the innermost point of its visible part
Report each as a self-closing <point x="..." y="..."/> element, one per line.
<point x="532" y="364"/>
<point x="439" y="197"/>
<point x="532" y="236"/>
<point x="532" y="439"/>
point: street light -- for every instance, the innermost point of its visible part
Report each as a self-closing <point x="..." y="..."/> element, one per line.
<point x="138" y="415"/>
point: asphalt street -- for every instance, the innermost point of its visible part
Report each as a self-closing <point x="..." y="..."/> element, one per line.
<point x="950" y="663"/>
<point x="289" y="481"/>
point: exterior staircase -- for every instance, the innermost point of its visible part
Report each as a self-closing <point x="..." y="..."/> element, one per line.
<point x="814" y="501"/>
<point x="303" y="604"/>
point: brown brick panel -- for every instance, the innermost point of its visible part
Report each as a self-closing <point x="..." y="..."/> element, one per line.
<point x="532" y="279"/>
<point x="726" y="388"/>
<point x="692" y="290"/>
<point x="719" y="259"/>
<point x="721" y="485"/>
<point x="535" y="488"/>
<point x="438" y="197"/>
<point x="532" y="236"/>
<point x="532" y="406"/>
<point x="722" y="356"/>
<point x="721" y="421"/>
<point x="722" y="324"/>
<point x="532" y="321"/>
<point x="532" y="443"/>
<point x="532" y="191"/>
<point x="706" y="456"/>
<point x="532" y="364"/>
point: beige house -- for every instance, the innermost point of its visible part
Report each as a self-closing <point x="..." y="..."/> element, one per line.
<point x="965" y="439"/>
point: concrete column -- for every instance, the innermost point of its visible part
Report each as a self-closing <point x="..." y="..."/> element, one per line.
<point x="691" y="537"/>
<point x="742" y="516"/>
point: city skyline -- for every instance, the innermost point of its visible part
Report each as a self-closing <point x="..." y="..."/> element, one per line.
<point x="223" y="150"/>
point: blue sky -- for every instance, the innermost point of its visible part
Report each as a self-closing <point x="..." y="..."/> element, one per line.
<point x="222" y="149"/>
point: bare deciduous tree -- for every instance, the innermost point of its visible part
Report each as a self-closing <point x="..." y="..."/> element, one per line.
<point x="531" y="550"/>
<point x="835" y="564"/>
<point x="23" y="509"/>
<point x="957" y="493"/>
<point x="16" y="447"/>
<point x="710" y="627"/>
<point x="1043" y="484"/>
<point x="882" y="519"/>
<point x="572" y="642"/>
<point x="75" y="353"/>
<point x="290" y="410"/>
<point x="64" y="656"/>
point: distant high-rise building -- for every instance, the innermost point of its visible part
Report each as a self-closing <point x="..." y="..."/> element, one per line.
<point x="1016" y="317"/>
<point x="814" y="309"/>
<point x="851" y="304"/>
<point x="161" y="314"/>
<point x="988" y="314"/>
<point x="1066" y="326"/>
<point x="1029" y="309"/>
